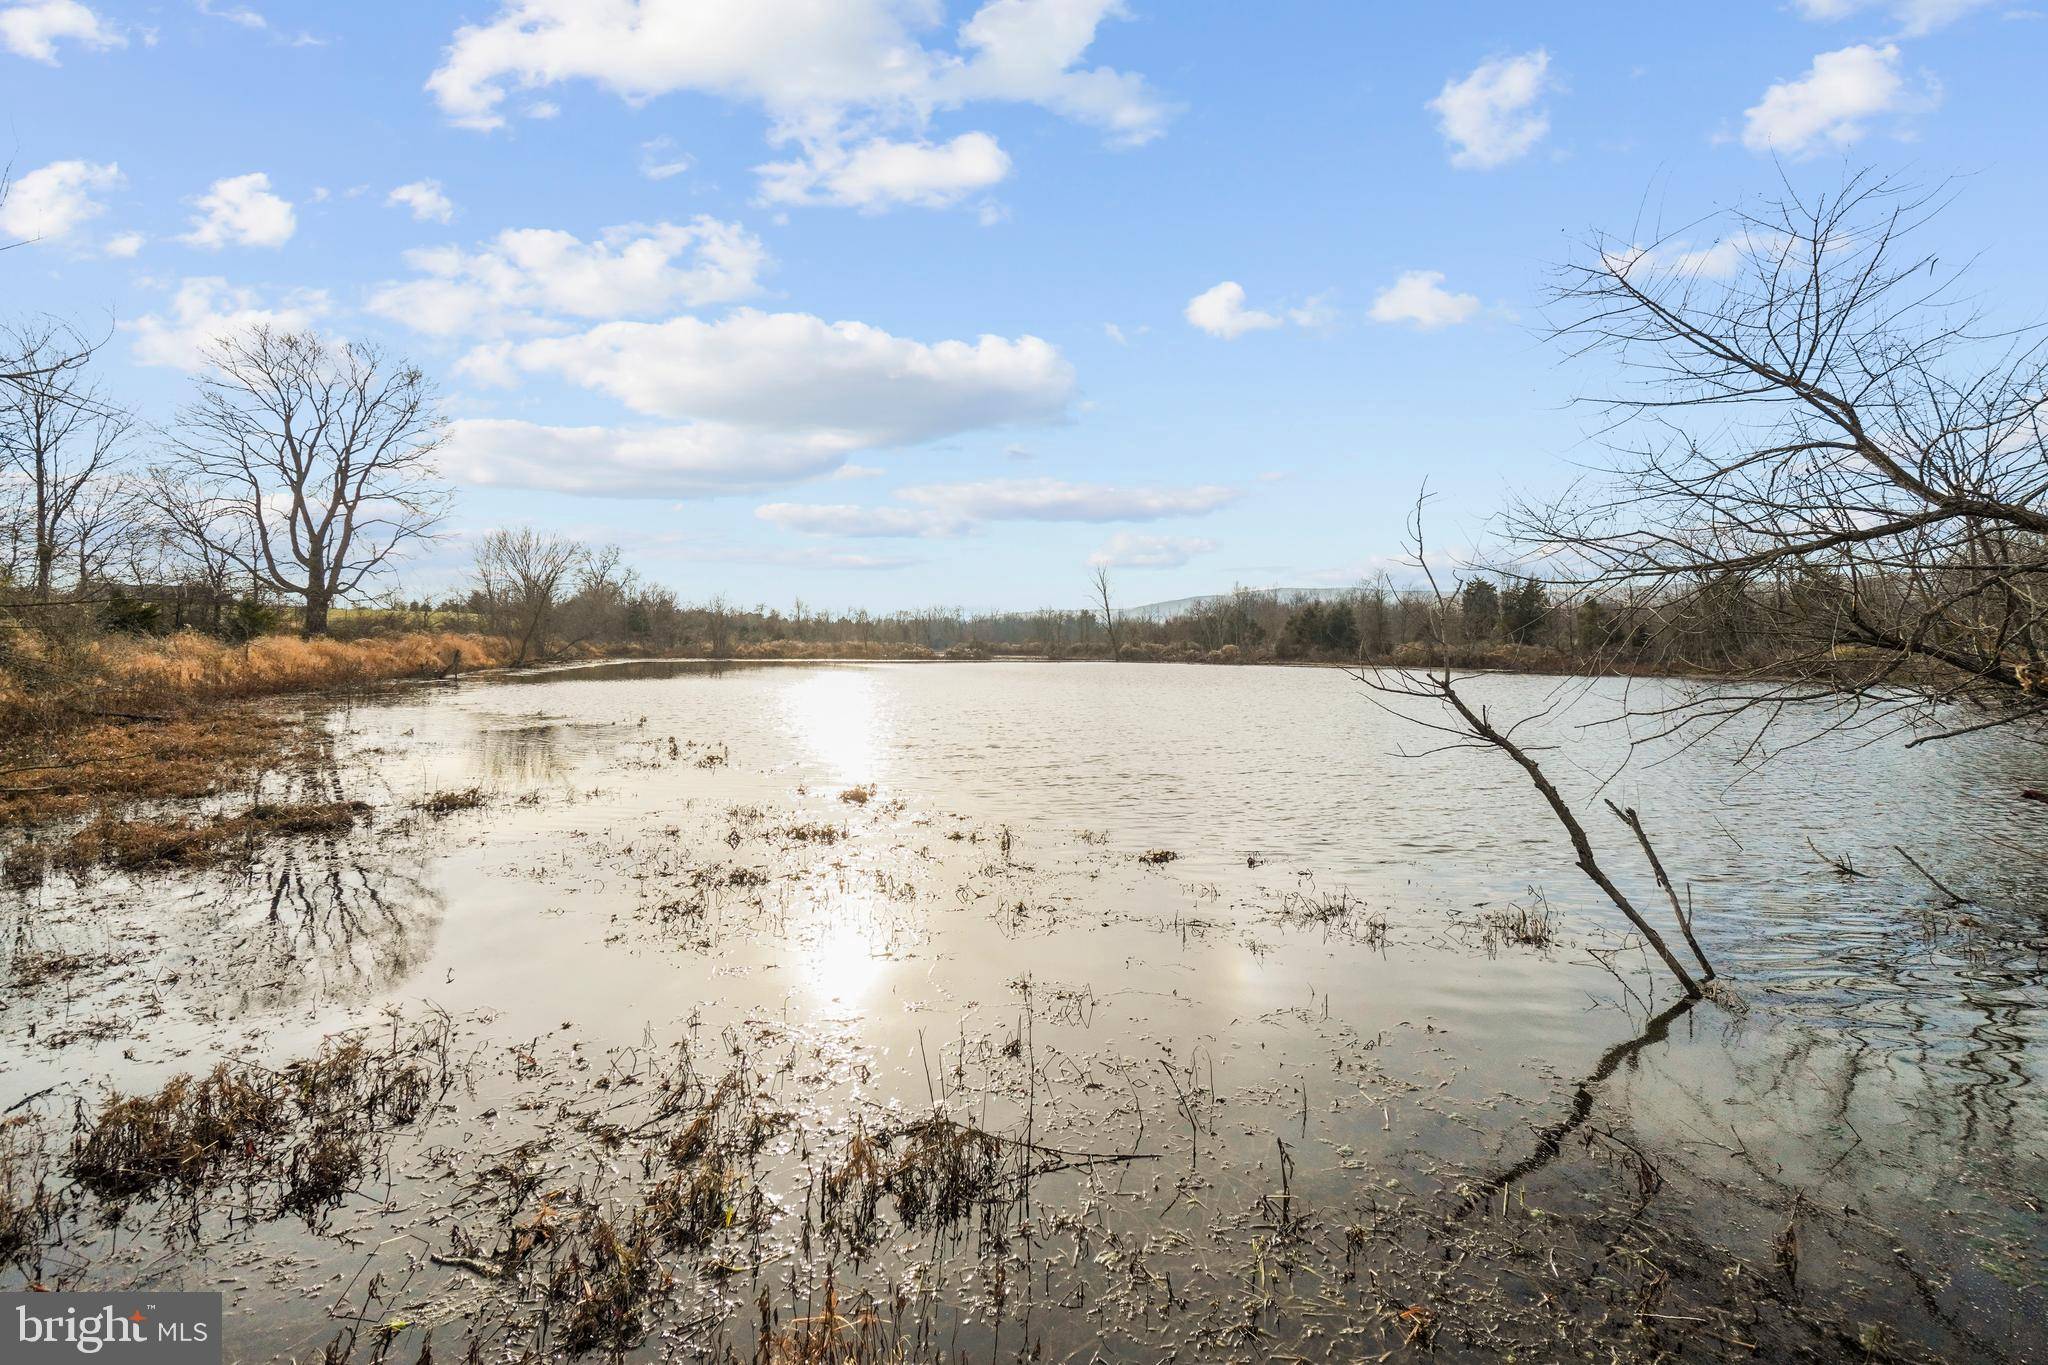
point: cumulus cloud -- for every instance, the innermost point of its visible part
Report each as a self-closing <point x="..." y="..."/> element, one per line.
<point x="694" y="460"/>
<point x="1126" y="550"/>
<point x="123" y="246"/>
<point x="241" y="210"/>
<point x="55" y="200"/>
<point x="1495" y="114"/>
<point x="827" y="76"/>
<point x="951" y="509"/>
<point x="759" y="399"/>
<point x="206" y="308"/>
<point x="880" y="174"/>
<point x="33" y="28"/>
<point x="1220" y="312"/>
<point x="525" y="278"/>
<point x="427" y="200"/>
<point x="1914" y="17"/>
<point x="794" y="370"/>
<point x="1419" y="298"/>
<point x="1832" y="104"/>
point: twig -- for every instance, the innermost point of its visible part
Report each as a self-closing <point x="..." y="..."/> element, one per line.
<point x="1932" y="880"/>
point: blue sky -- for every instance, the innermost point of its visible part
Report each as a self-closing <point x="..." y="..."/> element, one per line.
<point x="893" y="302"/>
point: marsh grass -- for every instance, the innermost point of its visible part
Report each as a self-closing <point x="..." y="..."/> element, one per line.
<point x="136" y="845"/>
<point x="448" y="802"/>
<point x="83" y="721"/>
<point x="1338" y="911"/>
<point x="293" y="1140"/>
<point x="29" y="1209"/>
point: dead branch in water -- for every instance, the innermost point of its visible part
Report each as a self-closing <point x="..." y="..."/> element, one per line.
<point x="1474" y="727"/>
<point x="1933" y="881"/>
<point x="1635" y="822"/>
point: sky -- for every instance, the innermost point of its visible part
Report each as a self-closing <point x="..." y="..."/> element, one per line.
<point x="892" y="303"/>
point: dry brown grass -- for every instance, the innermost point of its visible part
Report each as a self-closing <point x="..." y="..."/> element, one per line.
<point x="42" y="680"/>
<point x="133" y="845"/>
<point x="303" y="1131"/>
<point x="85" y="722"/>
<point x="71" y="772"/>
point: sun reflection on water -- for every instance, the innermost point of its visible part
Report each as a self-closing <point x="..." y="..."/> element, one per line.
<point x="841" y="961"/>
<point x="833" y="714"/>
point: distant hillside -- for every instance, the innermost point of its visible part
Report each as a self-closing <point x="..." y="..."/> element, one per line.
<point x="1180" y="606"/>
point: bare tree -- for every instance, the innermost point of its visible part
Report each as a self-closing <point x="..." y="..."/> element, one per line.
<point x="1826" y="452"/>
<point x="195" y="539"/>
<point x="316" y="460"/>
<point x="521" y="576"/>
<point x="1098" y="583"/>
<point x="58" y="440"/>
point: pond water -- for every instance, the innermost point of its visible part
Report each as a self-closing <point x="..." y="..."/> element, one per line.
<point x="1261" y="1025"/>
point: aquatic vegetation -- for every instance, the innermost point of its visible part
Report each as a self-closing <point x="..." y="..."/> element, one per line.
<point x="307" y="1132"/>
<point x="448" y="802"/>
<point x="135" y="844"/>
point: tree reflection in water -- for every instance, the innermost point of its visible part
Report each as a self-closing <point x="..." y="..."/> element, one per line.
<point x="318" y="922"/>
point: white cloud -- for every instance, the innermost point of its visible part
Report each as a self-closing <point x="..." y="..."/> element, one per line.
<point x="880" y="174"/>
<point x="1914" y="17"/>
<point x="1030" y="51"/>
<point x="795" y="371"/>
<point x="1717" y="260"/>
<point x="695" y="460"/>
<point x="56" y="199"/>
<point x="206" y="308"/>
<point x="123" y="246"/>
<point x="761" y="399"/>
<point x="845" y="519"/>
<point x="1494" y="115"/>
<point x="827" y="75"/>
<point x="524" y="277"/>
<point x="950" y="509"/>
<point x="1129" y="551"/>
<point x="240" y="15"/>
<point x="1220" y="312"/>
<point x="427" y="200"/>
<point x="1418" y="297"/>
<point x="1057" y="500"/>
<point x="1832" y="103"/>
<point x="241" y="209"/>
<point x="243" y="16"/>
<point x="32" y="29"/>
<point x="661" y="160"/>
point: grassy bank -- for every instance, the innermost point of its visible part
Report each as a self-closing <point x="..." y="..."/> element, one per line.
<point x="90" y="722"/>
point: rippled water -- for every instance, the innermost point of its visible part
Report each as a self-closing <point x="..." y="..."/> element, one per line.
<point x="1308" y="984"/>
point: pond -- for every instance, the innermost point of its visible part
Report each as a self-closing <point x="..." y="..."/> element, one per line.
<point x="1076" y="1011"/>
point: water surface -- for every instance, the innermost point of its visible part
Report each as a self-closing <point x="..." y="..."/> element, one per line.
<point x="1358" y="1116"/>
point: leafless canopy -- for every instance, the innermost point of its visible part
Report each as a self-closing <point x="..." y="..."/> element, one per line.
<point x="312" y="463"/>
<point x="522" y="577"/>
<point x="1099" y="588"/>
<point x="60" y="445"/>
<point x="1820" y="452"/>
